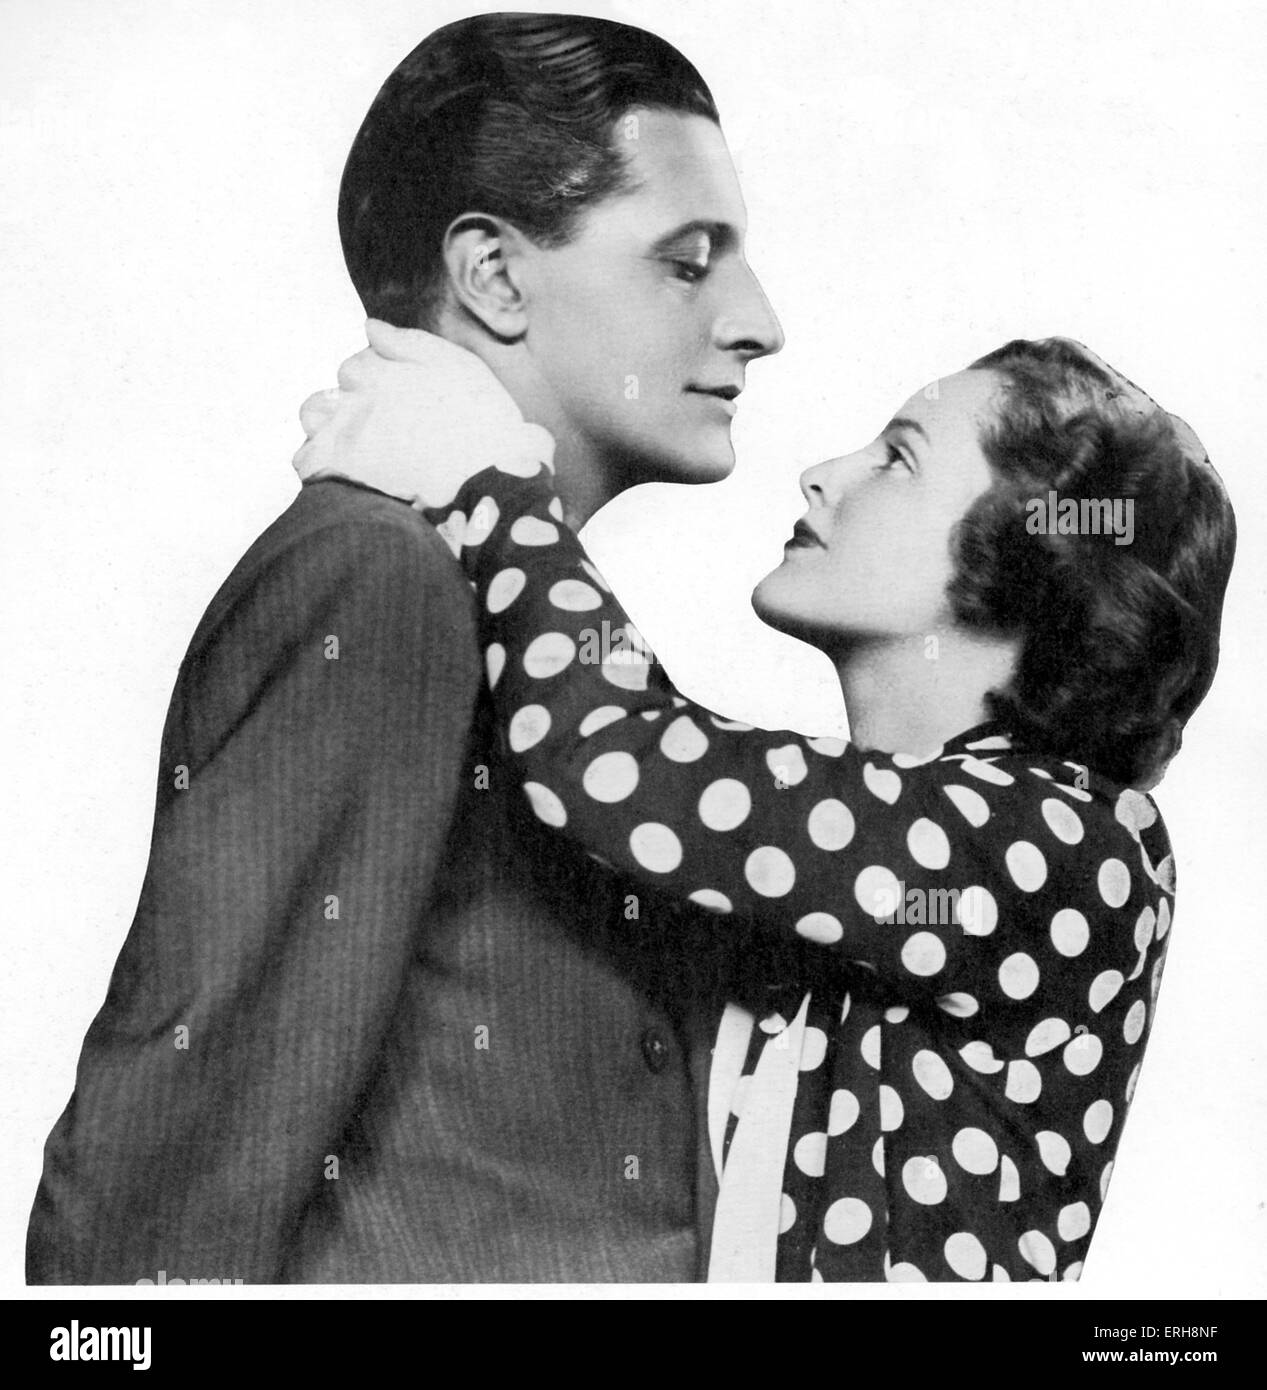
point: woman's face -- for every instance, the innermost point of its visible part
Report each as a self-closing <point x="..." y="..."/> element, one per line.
<point x="871" y="558"/>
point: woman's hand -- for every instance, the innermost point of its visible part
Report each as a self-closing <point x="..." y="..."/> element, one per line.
<point x="415" y="416"/>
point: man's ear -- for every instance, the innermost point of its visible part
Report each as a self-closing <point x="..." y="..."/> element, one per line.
<point x="483" y="265"/>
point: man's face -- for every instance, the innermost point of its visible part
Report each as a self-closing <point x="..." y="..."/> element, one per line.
<point x="641" y="327"/>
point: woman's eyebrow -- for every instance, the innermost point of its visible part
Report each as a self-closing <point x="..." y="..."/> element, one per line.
<point x="901" y="422"/>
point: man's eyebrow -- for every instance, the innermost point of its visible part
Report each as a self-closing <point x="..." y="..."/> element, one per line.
<point x="722" y="234"/>
<point x="902" y="422"/>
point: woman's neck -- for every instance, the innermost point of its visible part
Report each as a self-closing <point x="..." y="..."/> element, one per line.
<point x="912" y="694"/>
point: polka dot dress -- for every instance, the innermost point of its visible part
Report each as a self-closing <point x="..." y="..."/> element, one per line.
<point x="990" y="922"/>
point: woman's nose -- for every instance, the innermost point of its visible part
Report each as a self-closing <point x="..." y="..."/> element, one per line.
<point x="824" y="484"/>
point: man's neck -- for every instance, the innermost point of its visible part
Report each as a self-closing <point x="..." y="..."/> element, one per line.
<point x="584" y="483"/>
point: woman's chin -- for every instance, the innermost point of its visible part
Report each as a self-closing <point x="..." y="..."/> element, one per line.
<point x="776" y="610"/>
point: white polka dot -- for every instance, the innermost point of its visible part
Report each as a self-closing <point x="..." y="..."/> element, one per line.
<point x="813" y="1048"/>
<point x="1018" y="976"/>
<point x="787" y="765"/>
<point x="555" y="508"/>
<point x="924" y="1181"/>
<point x="600" y="718"/>
<point x="923" y="954"/>
<point x="991" y="741"/>
<point x="1139" y="966"/>
<point x="1062" y="820"/>
<point x="970" y="805"/>
<point x="626" y="673"/>
<point x="820" y="927"/>
<point x="1134" y="811"/>
<point x="810" y="1154"/>
<point x="505" y="589"/>
<point x="999" y="1274"/>
<point x="683" y="741"/>
<point x="844" y="1008"/>
<point x="787" y="1214"/>
<point x="847" y="1221"/>
<point x="1070" y="932"/>
<point x="1104" y="988"/>
<point x="548" y="654"/>
<point x="528" y="727"/>
<point x="1073" y="1273"/>
<point x="965" y="1255"/>
<point x="531" y="530"/>
<point x="903" y="1273"/>
<point x="1009" y="1180"/>
<point x="977" y="911"/>
<point x="958" y="1005"/>
<point x="882" y="782"/>
<point x="575" y="596"/>
<point x="1027" y="866"/>
<point x="891" y="1111"/>
<point x="711" y="898"/>
<point x="1098" y="1120"/>
<point x="725" y="804"/>
<point x="1163" y="919"/>
<point x="453" y="531"/>
<point x="769" y="871"/>
<point x="1024" y="1082"/>
<point x="1114" y="880"/>
<point x="545" y="804"/>
<point x="928" y="844"/>
<point x="932" y="1074"/>
<point x="1054" y="1150"/>
<point x="1134" y="1023"/>
<point x="1106" y="1177"/>
<point x="980" y="1057"/>
<point x="877" y="891"/>
<point x="656" y="847"/>
<point x="843" y="1113"/>
<point x="896" y="1013"/>
<point x="828" y="747"/>
<point x="1037" y="1251"/>
<point x="596" y="577"/>
<point x="986" y="772"/>
<point x="735" y="725"/>
<point x="1083" y="1054"/>
<point x="877" y="1155"/>
<point x="772" y="1024"/>
<point x="1131" y="1082"/>
<point x="611" y="777"/>
<point x="1074" y="1221"/>
<point x="1044" y="1036"/>
<point x="494" y="663"/>
<point x="870" y="1046"/>
<point x="916" y="759"/>
<point x="975" y="1151"/>
<point x="483" y="519"/>
<point x="831" y="825"/>
<point x="1144" y="925"/>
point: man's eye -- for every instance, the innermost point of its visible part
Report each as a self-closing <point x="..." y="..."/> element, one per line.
<point x="690" y="271"/>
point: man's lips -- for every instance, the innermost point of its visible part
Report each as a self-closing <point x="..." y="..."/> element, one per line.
<point x="723" y="395"/>
<point x="804" y="538"/>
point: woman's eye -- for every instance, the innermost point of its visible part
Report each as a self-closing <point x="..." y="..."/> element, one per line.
<point x="892" y="455"/>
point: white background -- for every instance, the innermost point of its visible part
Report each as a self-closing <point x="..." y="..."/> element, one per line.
<point x="924" y="181"/>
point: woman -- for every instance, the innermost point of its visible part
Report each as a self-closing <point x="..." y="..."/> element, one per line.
<point x="1020" y="582"/>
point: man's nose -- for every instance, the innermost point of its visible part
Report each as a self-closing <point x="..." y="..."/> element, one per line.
<point x="748" y="324"/>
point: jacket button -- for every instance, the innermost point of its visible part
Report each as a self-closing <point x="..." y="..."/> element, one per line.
<point x="655" y="1049"/>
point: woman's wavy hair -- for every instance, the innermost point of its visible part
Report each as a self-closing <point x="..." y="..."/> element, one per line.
<point x="511" y="115"/>
<point x="1119" y="642"/>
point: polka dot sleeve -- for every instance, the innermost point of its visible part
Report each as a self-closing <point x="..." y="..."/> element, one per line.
<point x="927" y="871"/>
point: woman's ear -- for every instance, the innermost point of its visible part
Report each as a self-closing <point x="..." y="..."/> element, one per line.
<point x="483" y="265"/>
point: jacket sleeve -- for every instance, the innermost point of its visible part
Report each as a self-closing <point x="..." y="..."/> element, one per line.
<point x="810" y="839"/>
<point x="308" y="776"/>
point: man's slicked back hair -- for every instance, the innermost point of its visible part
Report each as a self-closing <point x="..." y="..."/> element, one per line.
<point x="511" y="115"/>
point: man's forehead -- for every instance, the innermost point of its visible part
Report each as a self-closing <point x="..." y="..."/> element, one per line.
<point x="680" y="169"/>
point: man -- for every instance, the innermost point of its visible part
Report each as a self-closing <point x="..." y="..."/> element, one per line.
<point x="365" y="1026"/>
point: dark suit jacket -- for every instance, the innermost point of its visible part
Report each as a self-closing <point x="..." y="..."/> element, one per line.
<point x="370" y="1023"/>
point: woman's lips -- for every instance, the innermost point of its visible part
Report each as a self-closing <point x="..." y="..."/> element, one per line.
<point x="804" y="538"/>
